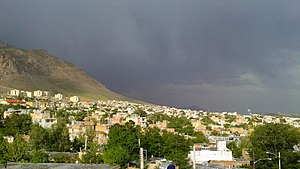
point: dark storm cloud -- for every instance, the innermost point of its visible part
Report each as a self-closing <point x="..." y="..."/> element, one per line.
<point x="218" y="55"/>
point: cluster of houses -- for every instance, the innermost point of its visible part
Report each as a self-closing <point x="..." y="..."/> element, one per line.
<point x="36" y="93"/>
<point x="39" y="94"/>
<point x="229" y="126"/>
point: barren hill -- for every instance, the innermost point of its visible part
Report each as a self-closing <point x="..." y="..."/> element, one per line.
<point x="36" y="69"/>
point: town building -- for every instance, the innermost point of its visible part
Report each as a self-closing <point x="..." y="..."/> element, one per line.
<point x="140" y="121"/>
<point x="28" y="94"/>
<point x="37" y="93"/>
<point x="76" y="128"/>
<point x="43" y="119"/>
<point x="14" y="92"/>
<point x="58" y="96"/>
<point x="46" y="93"/>
<point x="74" y="99"/>
<point x="205" y="153"/>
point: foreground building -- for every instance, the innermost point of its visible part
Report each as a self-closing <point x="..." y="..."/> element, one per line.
<point x="205" y="153"/>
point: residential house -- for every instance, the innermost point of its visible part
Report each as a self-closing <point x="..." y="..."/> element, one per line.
<point x="58" y="96"/>
<point x="37" y="93"/>
<point x="101" y="132"/>
<point x="74" y="99"/>
<point x="43" y="119"/>
<point x="76" y="128"/>
<point x="14" y="92"/>
<point x="207" y="153"/>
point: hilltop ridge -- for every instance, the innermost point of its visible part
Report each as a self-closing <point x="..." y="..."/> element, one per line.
<point x="37" y="69"/>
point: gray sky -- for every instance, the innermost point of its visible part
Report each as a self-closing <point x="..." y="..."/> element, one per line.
<point x="219" y="55"/>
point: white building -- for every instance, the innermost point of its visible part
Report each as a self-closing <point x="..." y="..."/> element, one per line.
<point x="46" y="93"/>
<point x="28" y="94"/>
<point x="74" y="99"/>
<point x="141" y="121"/>
<point x="11" y="111"/>
<point x="43" y="119"/>
<point x="14" y="92"/>
<point x="25" y="93"/>
<point x="45" y="122"/>
<point x="205" y="154"/>
<point x="10" y="139"/>
<point x="58" y="96"/>
<point x="37" y="93"/>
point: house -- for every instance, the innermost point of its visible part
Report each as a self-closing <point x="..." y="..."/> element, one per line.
<point x="74" y="99"/>
<point x="13" y="102"/>
<point x="206" y="153"/>
<point x="37" y="93"/>
<point x="161" y="125"/>
<point x="11" y="111"/>
<point x="140" y="121"/>
<point x="43" y="119"/>
<point x="45" y="122"/>
<point x="101" y="132"/>
<point x="46" y="93"/>
<point x="119" y="118"/>
<point x="14" y="92"/>
<point x="28" y="94"/>
<point x="75" y="129"/>
<point x="58" y="96"/>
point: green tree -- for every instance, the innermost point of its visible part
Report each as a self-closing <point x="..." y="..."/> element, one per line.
<point x="38" y="137"/>
<point x="199" y="138"/>
<point x="17" y="151"/>
<point x="236" y="150"/>
<point x="39" y="156"/>
<point x="275" y="138"/>
<point x="157" y="117"/>
<point x="126" y="137"/>
<point x="230" y="118"/>
<point x="140" y="112"/>
<point x="77" y="144"/>
<point x="245" y="143"/>
<point x="181" y="125"/>
<point x="151" y="140"/>
<point x="206" y="121"/>
<point x="18" y="124"/>
<point x="79" y="116"/>
<point x="215" y="133"/>
<point x="116" y="155"/>
<point x="226" y="125"/>
<point x="59" y="137"/>
<point x="3" y="149"/>
<point x="92" y="156"/>
<point x="64" y="158"/>
<point x="176" y="148"/>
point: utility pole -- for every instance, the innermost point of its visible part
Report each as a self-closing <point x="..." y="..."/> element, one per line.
<point x="279" y="160"/>
<point x="141" y="155"/>
<point x="85" y="142"/>
<point x="279" y="163"/>
<point x="194" y="157"/>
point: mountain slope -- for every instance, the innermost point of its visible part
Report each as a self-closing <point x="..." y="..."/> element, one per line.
<point x="36" y="69"/>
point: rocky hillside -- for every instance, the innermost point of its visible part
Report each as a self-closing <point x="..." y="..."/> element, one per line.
<point x="36" y="69"/>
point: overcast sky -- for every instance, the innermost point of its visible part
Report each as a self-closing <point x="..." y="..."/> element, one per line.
<point x="218" y="55"/>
